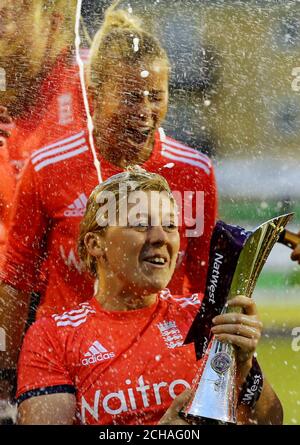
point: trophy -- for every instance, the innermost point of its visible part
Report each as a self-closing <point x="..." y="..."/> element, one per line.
<point x="236" y="260"/>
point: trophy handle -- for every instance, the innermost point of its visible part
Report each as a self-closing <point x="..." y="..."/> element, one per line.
<point x="289" y="239"/>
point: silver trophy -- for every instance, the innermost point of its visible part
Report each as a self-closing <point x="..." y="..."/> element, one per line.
<point x="236" y="260"/>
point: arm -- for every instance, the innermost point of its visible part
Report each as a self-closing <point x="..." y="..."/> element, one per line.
<point x="7" y="183"/>
<point x="13" y="316"/>
<point x="19" y="271"/>
<point x="268" y="410"/>
<point x="53" y="409"/>
<point x="243" y="330"/>
<point x="46" y="393"/>
<point x="295" y="256"/>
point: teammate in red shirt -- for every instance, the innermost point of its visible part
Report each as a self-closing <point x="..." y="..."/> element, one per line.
<point x="7" y="183"/>
<point x="129" y="98"/>
<point x="57" y="112"/>
<point x="43" y="93"/>
<point x="111" y="389"/>
<point x="119" y="358"/>
<point x="52" y="192"/>
<point x="42" y="87"/>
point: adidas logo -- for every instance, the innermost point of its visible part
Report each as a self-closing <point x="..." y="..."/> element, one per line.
<point x="78" y="206"/>
<point x="96" y="353"/>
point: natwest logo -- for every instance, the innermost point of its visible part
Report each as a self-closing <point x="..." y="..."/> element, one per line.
<point x="96" y="353"/>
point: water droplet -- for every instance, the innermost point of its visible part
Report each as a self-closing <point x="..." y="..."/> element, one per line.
<point x="136" y="42"/>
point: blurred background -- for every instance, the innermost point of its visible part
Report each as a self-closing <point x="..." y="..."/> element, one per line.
<point x="233" y="95"/>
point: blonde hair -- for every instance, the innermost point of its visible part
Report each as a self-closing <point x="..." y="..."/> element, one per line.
<point x="121" y="39"/>
<point x="134" y="177"/>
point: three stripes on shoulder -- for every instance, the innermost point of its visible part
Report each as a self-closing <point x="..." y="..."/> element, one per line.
<point x="59" y="151"/>
<point x="75" y="317"/>
<point x="77" y="144"/>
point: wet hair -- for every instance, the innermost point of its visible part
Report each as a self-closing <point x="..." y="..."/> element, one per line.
<point x="120" y="40"/>
<point x="135" y="178"/>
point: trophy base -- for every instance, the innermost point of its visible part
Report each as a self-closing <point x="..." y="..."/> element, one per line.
<point x="195" y="420"/>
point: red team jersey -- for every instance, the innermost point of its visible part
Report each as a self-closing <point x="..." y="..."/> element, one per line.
<point x="104" y="357"/>
<point x="51" y="199"/>
<point x="7" y="186"/>
<point x="57" y="112"/>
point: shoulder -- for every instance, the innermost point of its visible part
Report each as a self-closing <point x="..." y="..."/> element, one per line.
<point x="182" y="155"/>
<point x="60" y="151"/>
<point x="73" y="318"/>
<point x="190" y="302"/>
<point x="41" y="333"/>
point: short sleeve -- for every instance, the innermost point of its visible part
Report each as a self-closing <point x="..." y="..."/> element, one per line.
<point x="41" y="367"/>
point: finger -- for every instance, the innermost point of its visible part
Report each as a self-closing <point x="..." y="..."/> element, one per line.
<point x="237" y="329"/>
<point x="4" y="133"/>
<point x="180" y="400"/>
<point x="171" y="417"/>
<point x="245" y="344"/>
<point x="2" y="141"/>
<point x="246" y="303"/>
<point x="236" y="318"/>
<point x="295" y="255"/>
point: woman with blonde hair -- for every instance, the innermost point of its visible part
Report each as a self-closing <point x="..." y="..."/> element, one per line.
<point x="128" y="92"/>
<point x="119" y="357"/>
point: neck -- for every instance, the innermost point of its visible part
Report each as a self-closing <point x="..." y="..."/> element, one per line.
<point x="125" y="302"/>
<point x="119" y="157"/>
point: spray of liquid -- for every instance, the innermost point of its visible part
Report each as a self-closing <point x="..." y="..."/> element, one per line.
<point x="90" y="125"/>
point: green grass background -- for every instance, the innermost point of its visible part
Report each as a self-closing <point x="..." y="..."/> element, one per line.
<point x="280" y="365"/>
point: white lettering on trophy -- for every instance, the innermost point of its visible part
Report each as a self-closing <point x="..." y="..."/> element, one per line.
<point x="215" y="277"/>
<point x="296" y="340"/>
<point x="249" y="395"/>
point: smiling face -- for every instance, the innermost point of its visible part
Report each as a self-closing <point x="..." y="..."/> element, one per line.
<point x="138" y="260"/>
<point x="129" y="109"/>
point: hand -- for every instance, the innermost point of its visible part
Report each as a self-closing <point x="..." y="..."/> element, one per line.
<point x="8" y="412"/>
<point x="171" y="416"/>
<point x="295" y="256"/>
<point x="243" y="330"/>
<point x="6" y="125"/>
